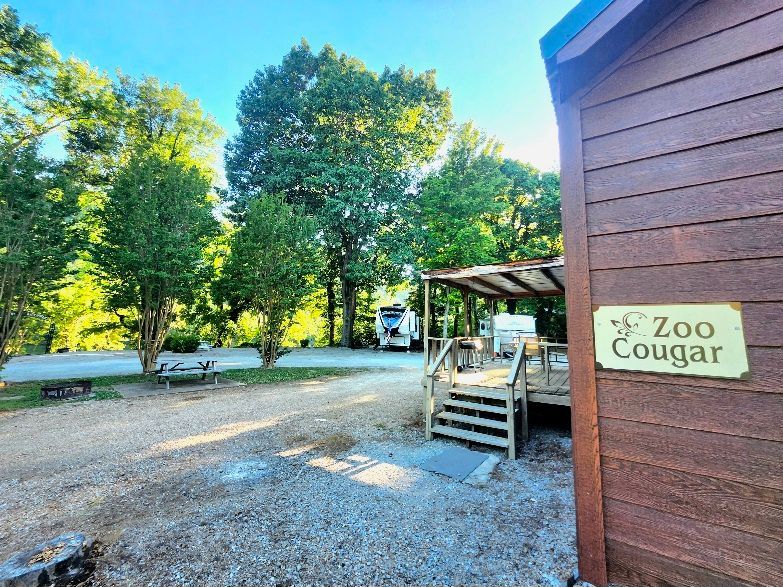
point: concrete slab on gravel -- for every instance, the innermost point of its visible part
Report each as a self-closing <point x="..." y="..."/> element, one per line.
<point x="129" y="390"/>
<point x="455" y="462"/>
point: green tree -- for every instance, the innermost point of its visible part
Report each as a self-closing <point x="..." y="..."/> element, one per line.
<point x="79" y="314"/>
<point x="528" y="224"/>
<point x="344" y="141"/>
<point x="272" y="267"/>
<point x="458" y="200"/>
<point x="146" y="116"/>
<point x="38" y="209"/>
<point x="24" y="52"/>
<point x="40" y="92"/>
<point x="154" y="228"/>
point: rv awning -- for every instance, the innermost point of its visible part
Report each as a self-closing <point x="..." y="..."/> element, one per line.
<point x="516" y="279"/>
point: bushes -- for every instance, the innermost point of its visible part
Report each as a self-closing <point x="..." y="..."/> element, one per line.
<point x="180" y="342"/>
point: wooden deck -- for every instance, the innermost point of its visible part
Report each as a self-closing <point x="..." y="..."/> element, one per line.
<point x="471" y="395"/>
<point x="494" y="374"/>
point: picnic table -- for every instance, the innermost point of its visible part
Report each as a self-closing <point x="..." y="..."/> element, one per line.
<point x="166" y="369"/>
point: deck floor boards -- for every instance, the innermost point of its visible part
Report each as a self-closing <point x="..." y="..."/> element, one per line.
<point x="494" y="374"/>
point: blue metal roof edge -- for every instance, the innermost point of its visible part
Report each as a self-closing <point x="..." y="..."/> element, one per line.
<point x="570" y="25"/>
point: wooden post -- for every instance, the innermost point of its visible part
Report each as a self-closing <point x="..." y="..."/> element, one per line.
<point x="454" y="363"/>
<point x="523" y="398"/>
<point x="466" y="311"/>
<point x="491" y="303"/>
<point x="426" y="324"/>
<point x="512" y="441"/>
<point x="429" y="405"/>
<point x="429" y="382"/>
<point x="588" y="489"/>
<point x="446" y="314"/>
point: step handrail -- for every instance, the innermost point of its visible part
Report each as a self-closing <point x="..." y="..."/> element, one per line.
<point x="433" y="367"/>
<point x="511" y="382"/>
<point x="429" y="388"/>
<point x="519" y="360"/>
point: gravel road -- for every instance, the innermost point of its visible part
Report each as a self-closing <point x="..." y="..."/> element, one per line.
<point x="309" y="483"/>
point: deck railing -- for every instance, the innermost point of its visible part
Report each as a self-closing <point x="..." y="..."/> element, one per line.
<point x="481" y="350"/>
<point x="435" y="345"/>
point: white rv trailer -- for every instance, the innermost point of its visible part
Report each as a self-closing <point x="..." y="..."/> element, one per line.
<point x="509" y="327"/>
<point x="396" y="326"/>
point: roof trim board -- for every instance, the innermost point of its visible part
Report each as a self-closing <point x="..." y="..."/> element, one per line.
<point x="571" y="25"/>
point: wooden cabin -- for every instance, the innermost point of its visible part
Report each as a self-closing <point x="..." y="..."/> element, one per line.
<point x="670" y="115"/>
<point x="477" y="388"/>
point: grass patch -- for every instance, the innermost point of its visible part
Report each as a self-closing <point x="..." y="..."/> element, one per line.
<point x="16" y="396"/>
<point x="280" y="374"/>
<point x="28" y="394"/>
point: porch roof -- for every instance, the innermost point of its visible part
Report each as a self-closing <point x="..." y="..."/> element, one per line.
<point x="512" y="280"/>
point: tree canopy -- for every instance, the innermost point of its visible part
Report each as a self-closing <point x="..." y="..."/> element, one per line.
<point x="458" y="199"/>
<point x="347" y="142"/>
<point x="272" y="265"/>
<point x="354" y="174"/>
<point x="38" y="208"/>
<point x="154" y="228"/>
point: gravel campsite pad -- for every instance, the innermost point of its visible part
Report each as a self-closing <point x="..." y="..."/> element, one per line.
<point x="311" y="482"/>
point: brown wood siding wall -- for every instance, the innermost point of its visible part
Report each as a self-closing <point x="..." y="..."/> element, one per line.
<point x="682" y="150"/>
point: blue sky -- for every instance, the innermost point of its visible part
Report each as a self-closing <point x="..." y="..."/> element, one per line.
<point x="485" y="51"/>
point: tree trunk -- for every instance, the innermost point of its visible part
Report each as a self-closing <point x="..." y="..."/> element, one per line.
<point x="11" y="318"/>
<point x="331" y="306"/>
<point x="153" y="326"/>
<point x="511" y="306"/>
<point x="348" y="288"/>
<point x="446" y="316"/>
<point x="349" y="312"/>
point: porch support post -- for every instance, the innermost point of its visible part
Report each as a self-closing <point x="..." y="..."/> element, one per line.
<point x="428" y="382"/>
<point x="491" y="303"/>
<point x="426" y="325"/>
<point x="466" y="311"/>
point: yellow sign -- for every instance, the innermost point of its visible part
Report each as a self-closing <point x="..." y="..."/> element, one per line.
<point x="705" y="340"/>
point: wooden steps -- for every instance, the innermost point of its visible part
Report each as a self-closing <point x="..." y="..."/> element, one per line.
<point x="471" y="436"/>
<point x="455" y="403"/>
<point x="463" y="412"/>
<point x="477" y="391"/>
<point x="473" y="420"/>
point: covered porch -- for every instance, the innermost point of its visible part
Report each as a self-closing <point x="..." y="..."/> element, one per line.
<point x="477" y="386"/>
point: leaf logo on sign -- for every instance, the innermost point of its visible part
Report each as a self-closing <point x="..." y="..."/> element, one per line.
<point x="629" y="324"/>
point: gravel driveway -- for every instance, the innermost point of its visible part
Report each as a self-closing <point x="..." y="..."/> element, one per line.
<point x="313" y="482"/>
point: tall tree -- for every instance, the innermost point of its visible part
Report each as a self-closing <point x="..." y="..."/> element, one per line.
<point x="38" y="209"/>
<point x="40" y="92"/>
<point x="154" y="227"/>
<point x="528" y="224"/>
<point x="147" y="115"/>
<point x="272" y="266"/>
<point x="342" y="140"/>
<point x="458" y="200"/>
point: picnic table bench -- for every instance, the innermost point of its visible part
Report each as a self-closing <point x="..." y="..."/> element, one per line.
<point x="166" y="369"/>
